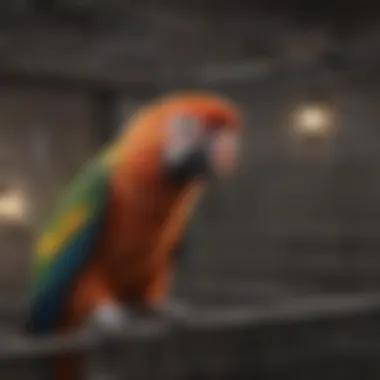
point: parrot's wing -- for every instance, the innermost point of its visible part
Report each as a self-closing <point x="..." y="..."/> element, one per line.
<point x="65" y="245"/>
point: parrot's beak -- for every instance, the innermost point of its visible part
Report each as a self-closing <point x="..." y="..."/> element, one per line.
<point x="224" y="154"/>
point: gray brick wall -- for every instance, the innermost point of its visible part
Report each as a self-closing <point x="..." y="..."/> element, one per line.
<point x="301" y="216"/>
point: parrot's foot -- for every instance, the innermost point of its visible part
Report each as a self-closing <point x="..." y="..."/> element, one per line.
<point x="173" y="311"/>
<point x="109" y="321"/>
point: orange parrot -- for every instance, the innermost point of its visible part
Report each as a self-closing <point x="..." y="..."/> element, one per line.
<point x="113" y="238"/>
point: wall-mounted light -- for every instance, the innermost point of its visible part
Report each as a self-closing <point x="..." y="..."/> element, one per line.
<point x="312" y="120"/>
<point x="13" y="207"/>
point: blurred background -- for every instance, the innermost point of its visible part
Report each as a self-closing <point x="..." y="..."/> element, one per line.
<point x="300" y="220"/>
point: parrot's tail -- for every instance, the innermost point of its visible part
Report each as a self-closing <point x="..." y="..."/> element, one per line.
<point x="62" y="368"/>
<point x="43" y="372"/>
<point x="59" y="369"/>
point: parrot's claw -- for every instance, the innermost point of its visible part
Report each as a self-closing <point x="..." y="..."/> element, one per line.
<point x="173" y="311"/>
<point x="109" y="321"/>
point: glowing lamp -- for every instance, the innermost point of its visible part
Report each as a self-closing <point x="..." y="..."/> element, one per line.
<point x="312" y="120"/>
<point x="13" y="207"/>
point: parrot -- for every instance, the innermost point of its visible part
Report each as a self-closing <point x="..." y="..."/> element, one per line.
<point x="113" y="238"/>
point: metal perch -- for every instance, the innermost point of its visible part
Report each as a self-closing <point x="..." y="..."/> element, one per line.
<point x="23" y="347"/>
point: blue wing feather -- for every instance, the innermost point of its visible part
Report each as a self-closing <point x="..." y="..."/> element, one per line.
<point x="48" y="302"/>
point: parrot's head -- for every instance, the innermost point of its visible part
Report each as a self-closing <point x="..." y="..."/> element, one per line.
<point x="187" y="136"/>
<point x="201" y="137"/>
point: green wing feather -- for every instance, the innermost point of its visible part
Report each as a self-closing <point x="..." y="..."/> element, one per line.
<point x="66" y="243"/>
